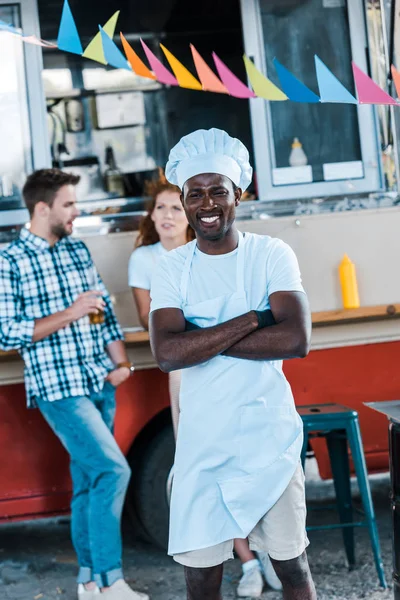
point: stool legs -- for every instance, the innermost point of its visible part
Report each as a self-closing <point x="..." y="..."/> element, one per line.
<point x="394" y="456"/>
<point x="337" y="448"/>
<point x="355" y="441"/>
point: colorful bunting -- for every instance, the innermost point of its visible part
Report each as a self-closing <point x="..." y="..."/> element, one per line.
<point x="330" y="88"/>
<point x="162" y="74"/>
<point x="112" y="53"/>
<point x="209" y="80"/>
<point x="368" y="91"/>
<point x="293" y="87"/>
<point x="102" y="49"/>
<point x="94" y="51"/>
<point x="136" y="63"/>
<point x="234" y="86"/>
<point x="262" y="86"/>
<point x="68" y="37"/>
<point x="184" y="77"/>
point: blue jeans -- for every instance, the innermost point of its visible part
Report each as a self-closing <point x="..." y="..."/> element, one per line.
<point x="100" y="477"/>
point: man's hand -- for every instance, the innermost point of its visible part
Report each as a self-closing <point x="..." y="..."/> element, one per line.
<point x="86" y="303"/>
<point x="285" y="332"/>
<point x="118" y="376"/>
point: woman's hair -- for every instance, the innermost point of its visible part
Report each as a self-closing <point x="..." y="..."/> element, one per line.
<point x="147" y="232"/>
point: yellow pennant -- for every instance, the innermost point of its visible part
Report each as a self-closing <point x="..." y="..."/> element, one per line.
<point x="95" y="49"/>
<point x="262" y="86"/>
<point x="184" y="77"/>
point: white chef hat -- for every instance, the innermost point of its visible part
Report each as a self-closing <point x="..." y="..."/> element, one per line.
<point x="209" y="151"/>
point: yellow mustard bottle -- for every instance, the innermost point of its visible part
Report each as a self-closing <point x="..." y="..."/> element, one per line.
<point x="348" y="282"/>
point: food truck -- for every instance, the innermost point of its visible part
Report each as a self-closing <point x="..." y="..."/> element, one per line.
<point x="326" y="182"/>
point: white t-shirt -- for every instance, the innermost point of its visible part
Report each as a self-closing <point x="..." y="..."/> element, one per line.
<point x="143" y="263"/>
<point x="270" y="266"/>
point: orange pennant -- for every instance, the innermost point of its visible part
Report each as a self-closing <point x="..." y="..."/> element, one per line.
<point x="396" y="79"/>
<point x="209" y="80"/>
<point x="136" y="63"/>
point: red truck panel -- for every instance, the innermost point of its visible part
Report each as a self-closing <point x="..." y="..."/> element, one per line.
<point x="34" y="479"/>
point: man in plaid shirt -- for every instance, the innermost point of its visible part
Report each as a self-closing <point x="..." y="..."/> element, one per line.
<point x="48" y="289"/>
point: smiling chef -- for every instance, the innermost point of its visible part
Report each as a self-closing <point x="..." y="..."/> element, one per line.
<point x="227" y="308"/>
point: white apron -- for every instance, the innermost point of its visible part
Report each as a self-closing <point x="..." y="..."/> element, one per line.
<point x="239" y="438"/>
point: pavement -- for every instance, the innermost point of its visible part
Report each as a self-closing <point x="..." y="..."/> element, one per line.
<point x="37" y="561"/>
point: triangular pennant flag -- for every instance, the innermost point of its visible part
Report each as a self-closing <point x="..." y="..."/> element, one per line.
<point x="136" y="63"/>
<point x="330" y="88"/>
<point x="234" y="86"/>
<point x="8" y="28"/>
<point x="112" y="53"/>
<point x="396" y="80"/>
<point x="368" y="91"/>
<point x="32" y="39"/>
<point x="184" y="77"/>
<point x="95" y="49"/>
<point x="262" y="86"/>
<point x="162" y="74"/>
<point x="293" y="87"/>
<point x="209" y="80"/>
<point x="68" y="37"/>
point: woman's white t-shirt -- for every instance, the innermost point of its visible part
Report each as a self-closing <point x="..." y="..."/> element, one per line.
<point x="143" y="263"/>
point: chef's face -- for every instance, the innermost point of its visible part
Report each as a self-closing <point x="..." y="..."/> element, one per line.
<point x="168" y="216"/>
<point x="210" y="201"/>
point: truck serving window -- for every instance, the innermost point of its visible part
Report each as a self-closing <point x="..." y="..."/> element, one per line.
<point x="306" y="149"/>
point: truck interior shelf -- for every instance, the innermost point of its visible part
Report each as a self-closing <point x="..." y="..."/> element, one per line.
<point x="356" y="315"/>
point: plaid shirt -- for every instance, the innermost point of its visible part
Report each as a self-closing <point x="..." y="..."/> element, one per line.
<point x="38" y="280"/>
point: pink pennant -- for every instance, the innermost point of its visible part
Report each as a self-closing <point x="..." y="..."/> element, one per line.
<point x="368" y="91"/>
<point x="234" y="86"/>
<point x="32" y="39"/>
<point x="162" y="74"/>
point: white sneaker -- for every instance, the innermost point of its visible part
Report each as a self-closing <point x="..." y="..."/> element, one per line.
<point x="251" y="583"/>
<point x="84" y="594"/>
<point x="120" y="590"/>
<point x="268" y="571"/>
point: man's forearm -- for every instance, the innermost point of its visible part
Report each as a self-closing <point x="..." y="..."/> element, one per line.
<point x="181" y="350"/>
<point x="117" y="352"/>
<point x="48" y="325"/>
<point x="277" y="342"/>
<point x="272" y="342"/>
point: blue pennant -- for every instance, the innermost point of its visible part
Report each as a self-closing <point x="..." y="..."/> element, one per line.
<point x="9" y="28"/>
<point x="293" y="87"/>
<point x="112" y="53"/>
<point x="330" y="88"/>
<point x="68" y="37"/>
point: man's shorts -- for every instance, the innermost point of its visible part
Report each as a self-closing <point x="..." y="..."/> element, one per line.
<point x="281" y="532"/>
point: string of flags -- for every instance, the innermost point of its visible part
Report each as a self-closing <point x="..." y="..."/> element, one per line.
<point x="103" y="49"/>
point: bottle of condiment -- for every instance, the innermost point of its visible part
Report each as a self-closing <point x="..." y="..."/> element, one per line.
<point x="348" y="282"/>
<point x="113" y="179"/>
<point x="297" y="157"/>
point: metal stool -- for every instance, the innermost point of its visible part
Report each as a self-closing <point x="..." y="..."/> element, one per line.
<point x="339" y="426"/>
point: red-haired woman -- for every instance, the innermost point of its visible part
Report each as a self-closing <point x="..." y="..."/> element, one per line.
<point x="164" y="228"/>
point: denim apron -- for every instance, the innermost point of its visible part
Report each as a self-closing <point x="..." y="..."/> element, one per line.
<point x="239" y="438"/>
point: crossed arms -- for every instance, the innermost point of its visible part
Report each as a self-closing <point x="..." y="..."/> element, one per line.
<point x="176" y="348"/>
